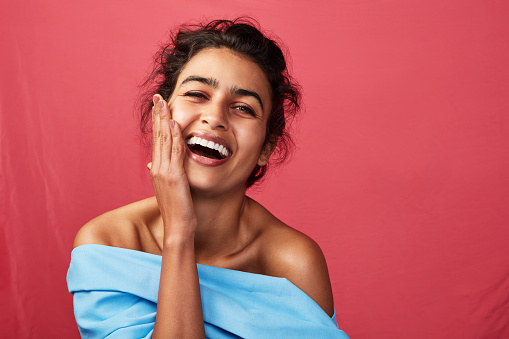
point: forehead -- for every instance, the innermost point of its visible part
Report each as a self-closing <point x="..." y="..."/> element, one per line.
<point x="229" y="69"/>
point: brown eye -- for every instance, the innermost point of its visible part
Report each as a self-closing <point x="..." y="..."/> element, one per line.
<point x="245" y="109"/>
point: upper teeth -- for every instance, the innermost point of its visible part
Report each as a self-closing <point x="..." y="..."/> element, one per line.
<point x="207" y="143"/>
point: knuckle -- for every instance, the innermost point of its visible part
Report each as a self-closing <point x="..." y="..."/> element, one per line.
<point x="177" y="149"/>
<point x="166" y="138"/>
<point x="172" y="180"/>
<point x="176" y="135"/>
<point x="156" y="173"/>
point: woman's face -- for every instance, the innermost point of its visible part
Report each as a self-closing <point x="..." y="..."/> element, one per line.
<point x="221" y="102"/>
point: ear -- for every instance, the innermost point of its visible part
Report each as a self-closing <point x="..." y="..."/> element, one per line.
<point x="267" y="150"/>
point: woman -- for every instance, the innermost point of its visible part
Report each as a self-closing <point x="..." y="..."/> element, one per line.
<point x="201" y="258"/>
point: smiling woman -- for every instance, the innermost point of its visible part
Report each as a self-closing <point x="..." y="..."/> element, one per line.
<point x="200" y="258"/>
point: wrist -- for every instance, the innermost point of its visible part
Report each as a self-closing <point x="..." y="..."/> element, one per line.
<point x="179" y="240"/>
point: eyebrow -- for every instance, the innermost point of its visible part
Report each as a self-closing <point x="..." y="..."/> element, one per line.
<point x="214" y="84"/>
<point x="207" y="81"/>
<point x="245" y="92"/>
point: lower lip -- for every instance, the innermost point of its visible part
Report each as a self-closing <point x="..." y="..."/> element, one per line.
<point x="203" y="160"/>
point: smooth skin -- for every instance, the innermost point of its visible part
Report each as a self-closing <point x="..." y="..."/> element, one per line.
<point x="200" y="214"/>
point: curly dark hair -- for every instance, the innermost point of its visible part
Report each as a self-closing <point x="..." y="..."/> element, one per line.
<point x="242" y="36"/>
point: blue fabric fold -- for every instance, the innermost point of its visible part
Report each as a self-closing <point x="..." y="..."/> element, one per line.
<point x="115" y="296"/>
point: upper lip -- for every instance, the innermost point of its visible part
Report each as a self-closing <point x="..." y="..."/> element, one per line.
<point x="211" y="137"/>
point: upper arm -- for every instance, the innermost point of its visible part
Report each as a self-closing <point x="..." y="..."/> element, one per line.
<point x="90" y="233"/>
<point x="111" y="229"/>
<point x="300" y="260"/>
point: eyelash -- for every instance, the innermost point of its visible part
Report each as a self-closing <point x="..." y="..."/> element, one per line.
<point x="241" y="108"/>
<point x="196" y="95"/>
<point x="246" y="109"/>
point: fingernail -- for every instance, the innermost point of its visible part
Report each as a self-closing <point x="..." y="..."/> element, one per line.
<point x="172" y="123"/>
<point x="155" y="98"/>
<point x="161" y="104"/>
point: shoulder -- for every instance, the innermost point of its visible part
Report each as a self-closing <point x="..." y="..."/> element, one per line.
<point x="288" y="253"/>
<point x="119" y="227"/>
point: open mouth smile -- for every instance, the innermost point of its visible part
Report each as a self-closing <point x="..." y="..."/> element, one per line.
<point x="204" y="147"/>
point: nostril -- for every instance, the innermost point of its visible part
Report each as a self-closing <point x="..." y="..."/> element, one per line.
<point x="215" y="123"/>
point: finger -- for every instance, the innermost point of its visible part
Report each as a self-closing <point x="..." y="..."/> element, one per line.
<point x="165" y="139"/>
<point x="178" y="147"/>
<point x="149" y="165"/>
<point x="156" y="132"/>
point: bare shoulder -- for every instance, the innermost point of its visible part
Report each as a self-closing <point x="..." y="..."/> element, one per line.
<point x="121" y="227"/>
<point x="288" y="253"/>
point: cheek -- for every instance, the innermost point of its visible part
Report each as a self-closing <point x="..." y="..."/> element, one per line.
<point x="252" y="140"/>
<point x="182" y="114"/>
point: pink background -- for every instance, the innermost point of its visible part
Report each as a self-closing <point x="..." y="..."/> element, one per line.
<point x="401" y="173"/>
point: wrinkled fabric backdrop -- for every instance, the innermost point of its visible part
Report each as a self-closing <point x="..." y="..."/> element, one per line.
<point x="401" y="173"/>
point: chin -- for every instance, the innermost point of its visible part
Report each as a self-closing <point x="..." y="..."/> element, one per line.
<point x="201" y="182"/>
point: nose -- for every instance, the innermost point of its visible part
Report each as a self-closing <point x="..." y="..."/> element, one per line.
<point x="216" y="116"/>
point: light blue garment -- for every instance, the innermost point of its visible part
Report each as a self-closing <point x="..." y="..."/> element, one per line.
<point x="115" y="296"/>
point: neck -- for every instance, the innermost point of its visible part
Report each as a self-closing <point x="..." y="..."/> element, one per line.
<point x="218" y="233"/>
